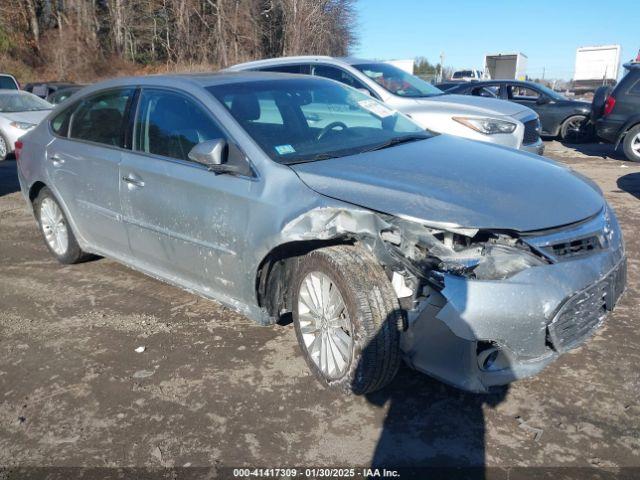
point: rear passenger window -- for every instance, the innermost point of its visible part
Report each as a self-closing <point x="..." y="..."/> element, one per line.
<point x="101" y="118"/>
<point x="170" y="125"/>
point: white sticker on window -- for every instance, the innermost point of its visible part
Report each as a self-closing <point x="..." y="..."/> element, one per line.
<point x="284" y="149"/>
<point x="376" y="108"/>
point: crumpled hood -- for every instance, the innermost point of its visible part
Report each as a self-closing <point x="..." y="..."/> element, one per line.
<point x="470" y="105"/>
<point x="31" y="117"/>
<point x="456" y="181"/>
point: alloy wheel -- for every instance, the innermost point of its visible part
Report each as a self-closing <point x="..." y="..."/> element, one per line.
<point x="54" y="226"/>
<point x="575" y="130"/>
<point x="635" y="145"/>
<point x="325" y="325"/>
<point x="3" y="148"/>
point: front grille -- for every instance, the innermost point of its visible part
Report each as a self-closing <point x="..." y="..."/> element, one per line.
<point x="531" y="131"/>
<point x="574" y="248"/>
<point x="585" y="311"/>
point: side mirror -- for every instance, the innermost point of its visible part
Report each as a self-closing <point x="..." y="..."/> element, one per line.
<point x="209" y="153"/>
<point x="543" y="99"/>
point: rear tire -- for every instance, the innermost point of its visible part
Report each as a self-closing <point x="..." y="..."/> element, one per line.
<point x="575" y="129"/>
<point x="55" y="229"/>
<point x="632" y="144"/>
<point x="363" y="330"/>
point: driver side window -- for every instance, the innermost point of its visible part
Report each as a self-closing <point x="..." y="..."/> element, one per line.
<point x="170" y="125"/>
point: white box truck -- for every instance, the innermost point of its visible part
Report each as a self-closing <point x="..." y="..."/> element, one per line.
<point x="505" y="66"/>
<point x="596" y="66"/>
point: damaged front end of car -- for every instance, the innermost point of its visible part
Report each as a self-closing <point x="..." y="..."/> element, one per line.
<point x="484" y="308"/>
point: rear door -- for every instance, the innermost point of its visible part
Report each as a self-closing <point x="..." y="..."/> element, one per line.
<point x="84" y="163"/>
<point x="183" y="221"/>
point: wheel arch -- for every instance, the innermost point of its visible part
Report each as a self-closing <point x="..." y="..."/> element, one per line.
<point x="34" y="190"/>
<point x="276" y="270"/>
<point x="629" y="124"/>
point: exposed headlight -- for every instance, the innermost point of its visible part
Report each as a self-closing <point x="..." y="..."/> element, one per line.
<point x="22" y="125"/>
<point x="488" y="126"/>
<point x="491" y="262"/>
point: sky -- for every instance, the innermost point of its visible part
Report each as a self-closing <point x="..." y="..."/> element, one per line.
<point x="548" y="32"/>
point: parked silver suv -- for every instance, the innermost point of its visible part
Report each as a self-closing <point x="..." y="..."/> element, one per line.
<point x="477" y="118"/>
<point x="477" y="264"/>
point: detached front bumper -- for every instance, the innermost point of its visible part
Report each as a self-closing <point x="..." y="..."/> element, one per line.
<point x="536" y="147"/>
<point x="475" y="334"/>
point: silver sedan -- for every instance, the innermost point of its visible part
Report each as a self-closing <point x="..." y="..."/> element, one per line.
<point x="19" y="112"/>
<point x="292" y="195"/>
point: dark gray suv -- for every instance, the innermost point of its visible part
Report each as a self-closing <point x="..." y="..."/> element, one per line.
<point x="618" y="120"/>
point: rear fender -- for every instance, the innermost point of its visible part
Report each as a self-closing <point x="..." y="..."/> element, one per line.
<point x="629" y="124"/>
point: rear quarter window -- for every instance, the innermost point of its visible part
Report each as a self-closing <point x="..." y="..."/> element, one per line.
<point x="60" y="123"/>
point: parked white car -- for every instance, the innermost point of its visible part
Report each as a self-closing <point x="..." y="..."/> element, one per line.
<point x="467" y="75"/>
<point x="19" y="112"/>
<point x="485" y="119"/>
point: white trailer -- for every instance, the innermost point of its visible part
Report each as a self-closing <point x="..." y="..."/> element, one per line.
<point x="595" y="66"/>
<point x="505" y="66"/>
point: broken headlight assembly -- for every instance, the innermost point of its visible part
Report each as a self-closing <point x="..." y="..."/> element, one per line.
<point x="491" y="261"/>
<point x="471" y="253"/>
<point x="488" y="126"/>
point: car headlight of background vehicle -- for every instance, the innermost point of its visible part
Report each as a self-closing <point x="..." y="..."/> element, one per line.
<point x="22" y="125"/>
<point x="488" y="126"/>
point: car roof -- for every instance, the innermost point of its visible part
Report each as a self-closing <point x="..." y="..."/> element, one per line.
<point x="198" y="79"/>
<point x="299" y="59"/>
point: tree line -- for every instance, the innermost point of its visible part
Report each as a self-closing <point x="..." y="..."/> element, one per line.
<point x="83" y="39"/>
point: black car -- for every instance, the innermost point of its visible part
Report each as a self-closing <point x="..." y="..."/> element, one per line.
<point x="61" y="95"/>
<point x="617" y="119"/>
<point x="559" y="115"/>
<point x="44" y="89"/>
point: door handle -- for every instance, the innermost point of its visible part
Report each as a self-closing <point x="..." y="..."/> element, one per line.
<point x="57" y="159"/>
<point x="132" y="181"/>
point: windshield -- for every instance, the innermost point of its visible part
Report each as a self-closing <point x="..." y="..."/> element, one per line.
<point x="22" y="102"/>
<point x="463" y="74"/>
<point x="398" y="81"/>
<point x="307" y="119"/>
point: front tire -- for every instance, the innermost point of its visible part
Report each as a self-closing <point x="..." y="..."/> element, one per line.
<point x="4" y="148"/>
<point x="632" y="144"/>
<point x="347" y="319"/>
<point x="56" y="230"/>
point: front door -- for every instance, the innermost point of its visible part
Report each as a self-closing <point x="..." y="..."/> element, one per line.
<point x="184" y="222"/>
<point x="535" y="100"/>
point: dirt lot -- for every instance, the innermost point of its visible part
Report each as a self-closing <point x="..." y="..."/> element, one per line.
<point x="212" y="388"/>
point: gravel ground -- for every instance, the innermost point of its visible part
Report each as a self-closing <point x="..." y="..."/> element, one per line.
<point x="213" y="388"/>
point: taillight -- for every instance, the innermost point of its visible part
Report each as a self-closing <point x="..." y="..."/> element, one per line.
<point x="18" y="149"/>
<point x="608" y="105"/>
